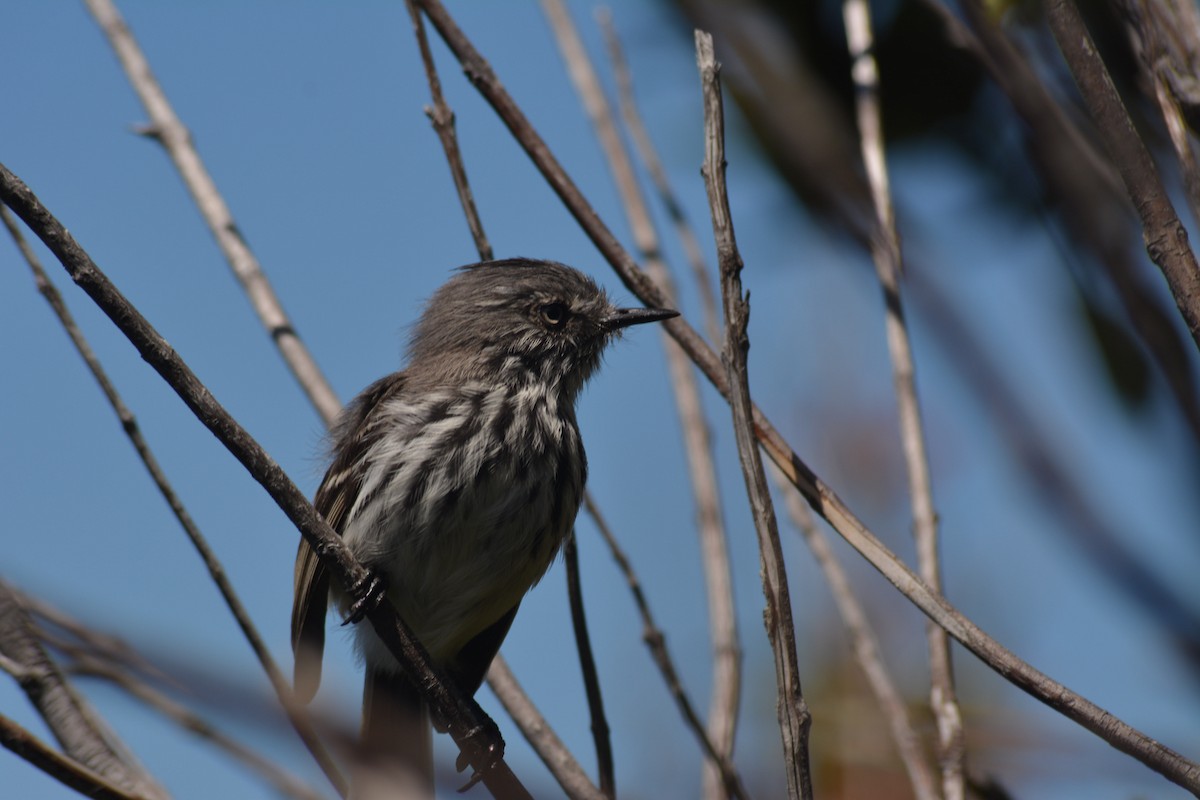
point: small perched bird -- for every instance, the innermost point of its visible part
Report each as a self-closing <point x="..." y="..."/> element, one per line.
<point x="457" y="479"/>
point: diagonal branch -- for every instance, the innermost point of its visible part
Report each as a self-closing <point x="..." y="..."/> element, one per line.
<point x="467" y="724"/>
<point x="1165" y="236"/>
<point x="296" y="715"/>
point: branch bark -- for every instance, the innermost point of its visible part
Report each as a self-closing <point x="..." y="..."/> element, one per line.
<point x="794" y="718"/>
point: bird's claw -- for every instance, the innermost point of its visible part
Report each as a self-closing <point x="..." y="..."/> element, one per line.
<point x="493" y="753"/>
<point x="368" y="592"/>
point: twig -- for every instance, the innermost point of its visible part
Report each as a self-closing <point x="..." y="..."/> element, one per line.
<point x="658" y="176"/>
<point x="442" y="117"/>
<point x="1165" y="236"/>
<point x="885" y="252"/>
<point x="295" y="713"/>
<point x="587" y="664"/>
<point x="186" y="718"/>
<point x="865" y="645"/>
<point x="794" y="717"/>
<point x="554" y="754"/>
<point x="85" y="738"/>
<point x="66" y="771"/>
<point x="820" y="496"/>
<point x="167" y="129"/>
<point x="653" y="636"/>
<point x="714" y="549"/>
<point x="467" y="723"/>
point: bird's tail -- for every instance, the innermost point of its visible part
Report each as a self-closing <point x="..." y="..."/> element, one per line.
<point x="397" y="740"/>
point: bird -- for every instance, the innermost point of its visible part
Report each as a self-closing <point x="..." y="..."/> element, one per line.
<point x="456" y="481"/>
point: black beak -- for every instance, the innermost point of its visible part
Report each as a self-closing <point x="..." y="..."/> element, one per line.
<point x="624" y="317"/>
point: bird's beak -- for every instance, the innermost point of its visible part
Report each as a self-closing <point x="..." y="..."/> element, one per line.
<point x="624" y="317"/>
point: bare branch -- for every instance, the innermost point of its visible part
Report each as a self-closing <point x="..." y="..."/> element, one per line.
<point x="169" y="131"/>
<point x="587" y="663"/>
<point x="474" y="732"/>
<point x="885" y="252"/>
<point x="794" y="718"/>
<point x="89" y="744"/>
<point x="1165" y="237"/>
<point x="442" y="118"/>
<point x="295" y="712"/>
<point x="68" y="772"/>
<point x="714" y="549"/>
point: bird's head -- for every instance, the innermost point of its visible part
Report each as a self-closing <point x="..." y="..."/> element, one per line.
<point x="518" y="320"/>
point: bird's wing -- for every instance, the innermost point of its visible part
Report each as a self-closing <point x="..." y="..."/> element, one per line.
<point x="354" y="435"/>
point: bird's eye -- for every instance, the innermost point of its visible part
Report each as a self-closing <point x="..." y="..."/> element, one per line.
<point x="555" y="315"/>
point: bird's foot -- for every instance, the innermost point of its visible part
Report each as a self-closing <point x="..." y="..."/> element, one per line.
<point x="491" y="748"/>
<point x="368" y="592"/>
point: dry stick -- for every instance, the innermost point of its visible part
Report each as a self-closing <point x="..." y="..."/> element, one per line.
<point x="658" y="176"/>
<point x="865" y="645"/>
<point x="714" y="549"/>
<point x="591" y="680"/>
<point x="794" y="718"/>
<point x="653" y="636"/>
<point x="558" y="759"/>
<point x="885" y="252"/>
<point x="63" y="769"/>
<point x="296" y="715"/>
<point x="823" y="499"/>
<point x="442" y="117"/>
<point x="84" y="737"/>
<point x="507" y="690"/>
<point x="169" y="131"/>
<point x="467" y="723"/>
<point x="1165" y="236"/>
<point x="186" y="718"/>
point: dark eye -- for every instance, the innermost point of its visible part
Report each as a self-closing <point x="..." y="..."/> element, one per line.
<point x="555" y="315"/>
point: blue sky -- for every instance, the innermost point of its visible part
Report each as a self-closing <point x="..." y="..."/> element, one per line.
<point x="309" y="116"/>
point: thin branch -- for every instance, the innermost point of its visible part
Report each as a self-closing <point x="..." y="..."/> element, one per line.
<point x="794" y="718"/>
<point x="167" y="129"/>
<point x="554" y="754"/>
<point x="820" y="496"/>
<point x="653" y="636"/>
<point x="591" y="680"/>
<point x="648" y="153"/>
<point x="283" y="782"/>
<point x="442" y="117"/>
<point x="63" y="769"/>
<point x="1165" y="236"/>
<point x="714" y="548"/>
<point x="295" y="713"/>
<point x="885" y="252"/>
<point x="85" y="738"/>
<point x="474" y="732"/>
<point x="864" y="644"/>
